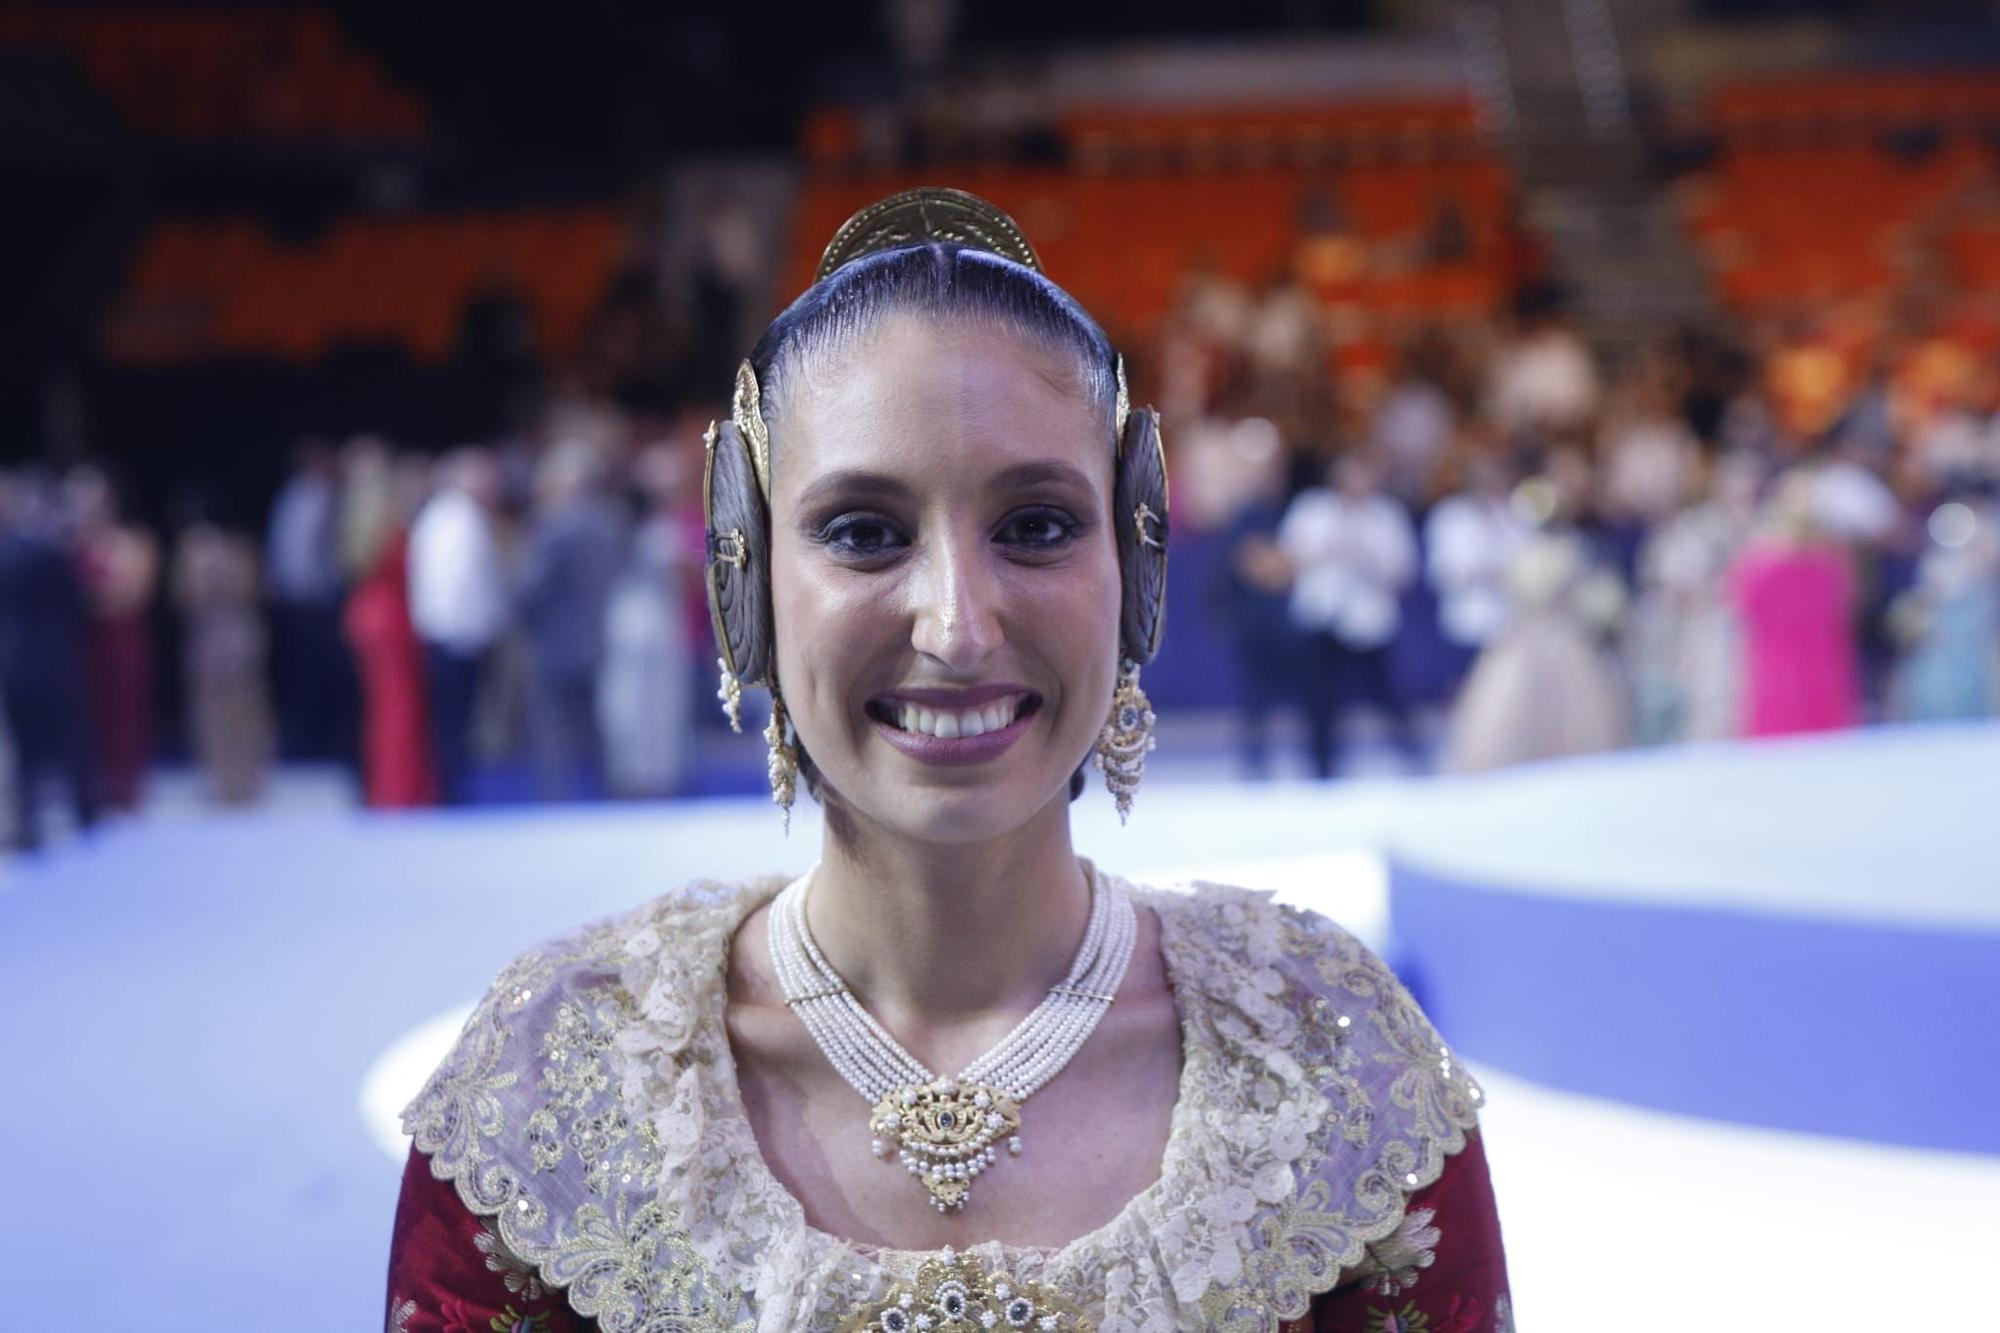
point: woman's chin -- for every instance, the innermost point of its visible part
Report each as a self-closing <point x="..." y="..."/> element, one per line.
<point x="955" y="813"/>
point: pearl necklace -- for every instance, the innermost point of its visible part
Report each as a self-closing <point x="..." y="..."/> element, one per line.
<point x="943" y="1129"/>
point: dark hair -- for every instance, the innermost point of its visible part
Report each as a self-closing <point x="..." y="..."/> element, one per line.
<point x="944" y="282"/>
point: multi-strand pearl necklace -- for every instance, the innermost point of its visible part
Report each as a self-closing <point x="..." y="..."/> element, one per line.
<point x="943" y="1130"/>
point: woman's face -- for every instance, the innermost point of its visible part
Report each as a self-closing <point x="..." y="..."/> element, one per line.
<point x="944" y="577"/>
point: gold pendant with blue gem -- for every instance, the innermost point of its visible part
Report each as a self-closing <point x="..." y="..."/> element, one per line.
<point x="944" y="1133"/>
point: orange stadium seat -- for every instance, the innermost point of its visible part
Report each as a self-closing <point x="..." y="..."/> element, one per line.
<point x="1854" y="104"/>
<point x="204" y="73"/>
<point x="1828" y="208"/>
<point x="225" y="288"/>
<point x="1141" y="203"/>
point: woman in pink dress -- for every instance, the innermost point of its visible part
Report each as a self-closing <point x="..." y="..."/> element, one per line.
<point x="1795" y="596"/>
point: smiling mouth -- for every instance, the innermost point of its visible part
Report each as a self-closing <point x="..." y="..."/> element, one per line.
<point x="949" y="723"/>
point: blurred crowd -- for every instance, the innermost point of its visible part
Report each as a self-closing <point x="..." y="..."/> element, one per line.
<point x="1498" y="543"/>
<point x="420" y="619"/>
<point x="1791" y="530"/>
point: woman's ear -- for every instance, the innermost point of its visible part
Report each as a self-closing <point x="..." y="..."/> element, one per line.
<point x="1139" y="513"/>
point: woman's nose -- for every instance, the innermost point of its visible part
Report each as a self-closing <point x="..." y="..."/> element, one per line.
<point x="958" y="609"/>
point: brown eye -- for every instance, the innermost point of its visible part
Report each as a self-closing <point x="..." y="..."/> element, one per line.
<point x="861" y="535"/>
<point x="1038" y="529"/>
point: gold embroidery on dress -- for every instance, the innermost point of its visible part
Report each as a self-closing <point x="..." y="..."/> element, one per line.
<point x="954" y="1292"/>
<point x="1396" y="1261"/>
<point x="1303" y="1243"/>
<point x="518" y="1275"/>
<point x="621" y="1261"/>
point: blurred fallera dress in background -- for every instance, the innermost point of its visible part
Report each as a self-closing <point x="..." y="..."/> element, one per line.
<point x="1546" y="686"/>
<point x="1951" y="622"/>
<point x="1683" y="642"/>
<point x="229" y="715"/>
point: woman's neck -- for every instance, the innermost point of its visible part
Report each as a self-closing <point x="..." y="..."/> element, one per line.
<point x="935" y="934"/>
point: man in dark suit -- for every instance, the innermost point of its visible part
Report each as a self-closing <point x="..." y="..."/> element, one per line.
<point x="573" y="557"/>
<point x="41" y="662"/>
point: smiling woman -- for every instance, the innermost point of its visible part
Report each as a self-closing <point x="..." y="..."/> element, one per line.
<point x="941" y="545"/>
<point x="955" y="1076"/>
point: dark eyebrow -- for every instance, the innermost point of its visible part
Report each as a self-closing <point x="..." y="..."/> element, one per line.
<point x="1023" y="475"/>
<point x="856" y="482"/>
<point x="852" y="481"/>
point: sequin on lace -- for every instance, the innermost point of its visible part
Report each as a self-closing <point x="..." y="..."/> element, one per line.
<point x="589" y="1111"/>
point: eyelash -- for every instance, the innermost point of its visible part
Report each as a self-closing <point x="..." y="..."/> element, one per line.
<point x="838" y="535"/>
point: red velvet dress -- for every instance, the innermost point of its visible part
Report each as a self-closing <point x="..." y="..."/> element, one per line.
<point x="448" y="1275"/>
<point x="118" y="665"/>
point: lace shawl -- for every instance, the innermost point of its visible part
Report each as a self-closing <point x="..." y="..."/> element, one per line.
<point x="590" y="1110"/>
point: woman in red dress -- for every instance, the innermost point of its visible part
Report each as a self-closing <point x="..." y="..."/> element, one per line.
<point x="395" y="752"/>
<point x="119" y="568"/>
<point x="936" y="537"/>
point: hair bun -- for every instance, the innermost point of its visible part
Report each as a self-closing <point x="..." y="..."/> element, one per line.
<point x="927" y="213"/>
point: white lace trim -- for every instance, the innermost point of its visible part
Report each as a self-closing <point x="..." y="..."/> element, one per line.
<point x="591" y="1107"/>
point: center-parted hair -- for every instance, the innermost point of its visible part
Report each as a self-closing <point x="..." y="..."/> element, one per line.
<point x="942" y="282"/>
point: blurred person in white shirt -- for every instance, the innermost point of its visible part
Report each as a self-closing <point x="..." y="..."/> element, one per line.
<point x="1353" y="550"/>
<point x="1544" y="382"/>
<point x="1470" y="541"/>
<point x="458" y="604"/>
<point x="1281" y="331"/>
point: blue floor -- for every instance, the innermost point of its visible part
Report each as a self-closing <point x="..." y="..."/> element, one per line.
<point x="1802" y="935"/>
<point x="189" y="1012"/>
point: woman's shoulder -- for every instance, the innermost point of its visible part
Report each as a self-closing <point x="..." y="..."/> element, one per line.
<point x="1323" y="1096"/>
<point x="1237" y="928"/>
<point x="1286" y="978"/>
<point x="662" y="961"/>
<point x="580" y="1084"/>
<point x="687" y="923"/>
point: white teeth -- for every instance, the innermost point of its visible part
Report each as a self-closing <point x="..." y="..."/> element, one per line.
<point x="952" y="726"/>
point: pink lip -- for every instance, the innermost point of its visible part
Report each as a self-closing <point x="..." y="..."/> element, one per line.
<point x="956" y="701"/>
<point x="959" y="749"/>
